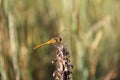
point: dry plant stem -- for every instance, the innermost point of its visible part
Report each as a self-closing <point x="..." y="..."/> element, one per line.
<point x="13" y="43"/>
<point x="63" y="65"/>
<point x="2" y="59"/>
<point x="3" y="37"/>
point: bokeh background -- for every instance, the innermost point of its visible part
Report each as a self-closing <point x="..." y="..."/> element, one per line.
<point x="89" y="28"/>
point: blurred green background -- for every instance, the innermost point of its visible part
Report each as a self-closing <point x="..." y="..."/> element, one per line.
<point x="89" y="28"/>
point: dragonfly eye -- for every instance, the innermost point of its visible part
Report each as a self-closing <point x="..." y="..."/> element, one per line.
<point x="60" y="39"/>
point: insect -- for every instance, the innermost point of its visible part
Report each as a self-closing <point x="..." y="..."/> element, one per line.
<point x="51" y="41"/>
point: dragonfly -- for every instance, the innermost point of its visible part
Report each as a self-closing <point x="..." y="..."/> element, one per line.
<point x="51" y="41"/>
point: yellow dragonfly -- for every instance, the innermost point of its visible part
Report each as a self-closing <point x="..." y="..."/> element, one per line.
<point x="51" y="41"/>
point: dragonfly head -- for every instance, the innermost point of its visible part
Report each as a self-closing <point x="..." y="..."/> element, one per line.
<point x="60" y="39"/>
<point x="57" y="39"/>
